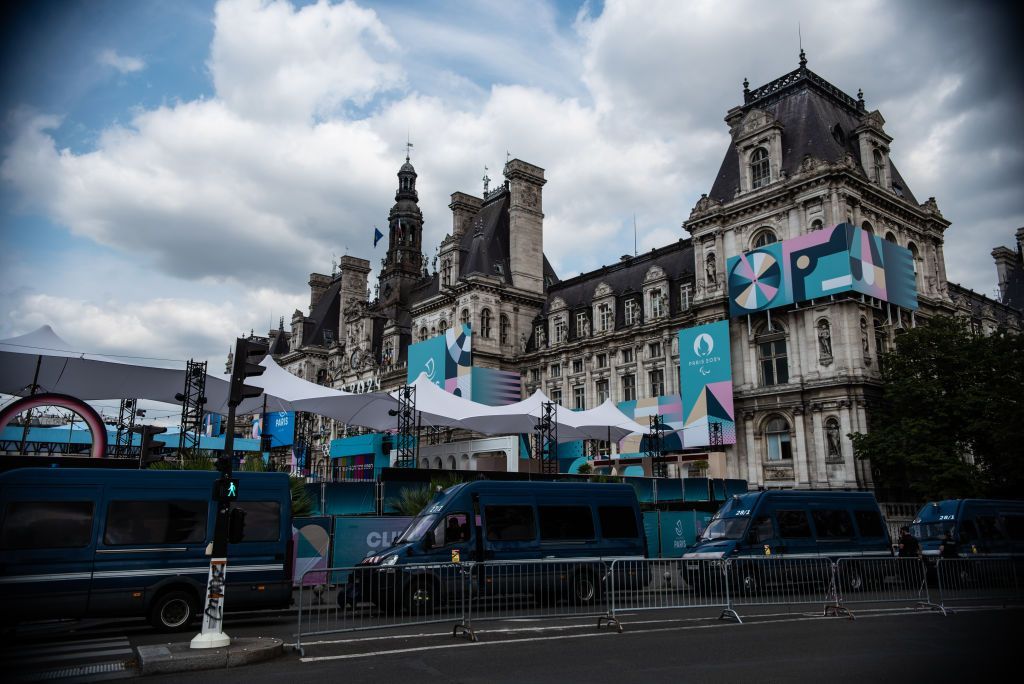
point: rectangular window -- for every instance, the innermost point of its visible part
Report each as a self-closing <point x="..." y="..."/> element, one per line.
<point x="684" y="297"/>
<point x="538" y="337"/>
<point x="654" y="348"/>
<point x="577" y="365"/>
<point x="579" y="402"/>
<point x="602" y="391"/>
<point x="534" y="375"/>
<point x="774" y="366"/>
<point x="560" y="329"/>
<point x="793" y="524"/>
<point x="833" y="524"/>
<point x="556" y="370"/>
<point x="628" y="388"/>
<point x="556" y="396"/>
<point x="606" y="317"/>
<point x="657" y="378"/>
<point x="869" y="523"/>
<point x="262" y="520"/>
<point x="617" y="522"/>
<point x="657" y="304"/>
<point x="988" y="528"/>
<point x="510" y="523"/>
<point x="627" y="355"/>
<point x="47" y="525"/>
<point x="155" y="522"/>
<point x="581" y="324"/>
<point x="602" y="360"/>
<point x="631" y="312"/>
<point x="565" y="522"/>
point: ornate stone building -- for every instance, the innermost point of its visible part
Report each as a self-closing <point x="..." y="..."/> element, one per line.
<point x="804" y="155"/>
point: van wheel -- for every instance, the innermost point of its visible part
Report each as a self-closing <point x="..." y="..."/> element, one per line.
<point x="584" y="589"/>
<point x="421" y="597"/>
<point x="173" y="611"/>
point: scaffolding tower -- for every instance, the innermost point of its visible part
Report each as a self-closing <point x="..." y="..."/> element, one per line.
<point x="405" y="438"/>
<point x="656" y="447"/>
<point x="547" y="438"/>
<point x="192" y="401"/>
<point x="125" y="428"/>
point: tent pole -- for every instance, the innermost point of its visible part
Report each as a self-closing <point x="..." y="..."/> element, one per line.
<point x="28" y="414"/>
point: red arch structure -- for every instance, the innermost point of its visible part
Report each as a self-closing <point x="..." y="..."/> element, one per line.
<point x="87" y="413"/>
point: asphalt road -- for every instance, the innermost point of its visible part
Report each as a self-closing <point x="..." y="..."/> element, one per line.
<point x="899" y="645"/>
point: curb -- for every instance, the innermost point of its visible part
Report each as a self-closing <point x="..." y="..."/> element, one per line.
<point x="179" y="657"/>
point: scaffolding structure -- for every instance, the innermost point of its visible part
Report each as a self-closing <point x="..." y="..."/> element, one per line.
<point x="405" y="437"/>
<point x="192" y="401"/>
<point x="547" y="438"/>
<point x="656" y="447"/>
<point x="125" y="427"/>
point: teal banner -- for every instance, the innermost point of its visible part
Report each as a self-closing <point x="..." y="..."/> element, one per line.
<point x="705" y="379"/>
<point x="446" y="360"/>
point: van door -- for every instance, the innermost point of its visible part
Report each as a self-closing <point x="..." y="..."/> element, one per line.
<point x="46" y="551"/>
<point x="510" y="534"/>
<point x="148" y="544"/>
<point x="256" y="574"/>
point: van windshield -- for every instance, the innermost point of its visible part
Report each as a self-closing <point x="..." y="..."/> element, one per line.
<point x="725" y="528"/>
<point x="934" y="531"/>
<point x="417" y="528"/>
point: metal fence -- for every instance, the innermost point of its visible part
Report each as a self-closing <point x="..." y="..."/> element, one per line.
<point x="465" y="594"/>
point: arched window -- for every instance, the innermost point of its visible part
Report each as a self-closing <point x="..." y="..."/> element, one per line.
<point x="451" y="463"/>
<point x="760" y="171"/>
<point x="890" y="237"/>
<point x="879" y="167"/>
<point x="485" y="324"/>
<point x="424" y="334"/>
<point x="504" y="329"/>
<point x="765" y="236"/>
<point x="442" y="326"/>
<point x="437" y="463"/>
<point x="777" y="439"/>
<point x="464" y="318"/>
<point x="771" y="352"/>
<point x="868" y="227"/>
<point x="833" y="447"/>
<point x="817" y="225"/>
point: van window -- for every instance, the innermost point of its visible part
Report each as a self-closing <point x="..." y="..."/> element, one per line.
<point x="793" y="524"/>
<point x="869" y="523"/>
<point x="510" y="523"/>
<point x="967" y="531"/>
<point x="761" y="530"/>
<point x="47" y="525"/>
<point x="1014" y="527"/>
<point x="617" y="522"/>
<point x="833" y="524"/>
<point x="988" y="528"/>
<point x="565" y="522"/>
<point x="262" y="520"/>
<point x="452" y="530"/>
<point x="156" y="522"/>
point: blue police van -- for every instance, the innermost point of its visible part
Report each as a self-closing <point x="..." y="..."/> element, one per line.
<point x="569" y="531"/>
<point x="979" y="527"/>
<point x="77" y="543"/>
<point x="795" y="525"/>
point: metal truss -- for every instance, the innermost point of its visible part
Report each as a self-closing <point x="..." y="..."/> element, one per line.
<point x="547" y="438"/>
<point x="656" y="447"/>
<point x="405" y="438"/>
<point x="125" y="427"/>
<point x="192" y="401"/>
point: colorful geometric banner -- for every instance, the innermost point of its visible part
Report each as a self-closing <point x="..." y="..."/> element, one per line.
<point x="705" y="376"/>
<point x="826" y="262"/>
<point x="311" y="544"/>
<point x="494" y="387"/>
<point x="446" y="359"/>
<point x="669" y="410"/>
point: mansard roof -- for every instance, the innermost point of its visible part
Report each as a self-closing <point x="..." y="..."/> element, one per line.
<point x="324" y="316"/>
<point x="809" y="109"/>
<point x="484" y="246"/>
<point x="627" y="276"/>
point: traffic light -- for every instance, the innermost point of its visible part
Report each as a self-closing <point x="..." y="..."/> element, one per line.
<point x="245" y="365"/>
<point x="148" y="444"/>
<point x="236" y="526"/>
<point x="225" y="489"/>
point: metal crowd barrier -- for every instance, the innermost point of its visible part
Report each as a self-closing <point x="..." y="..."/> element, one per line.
<point x="974" y="579"/>
<point x="375" y="597"/>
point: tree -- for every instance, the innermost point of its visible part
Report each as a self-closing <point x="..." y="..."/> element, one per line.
<point x="414" y="498"/>
<point x="950" y="422"/>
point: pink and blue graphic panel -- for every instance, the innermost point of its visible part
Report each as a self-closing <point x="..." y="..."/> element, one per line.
<point x="670" y="413"/>
<point x="826" y="262"/>
<point x="446" y="359"/>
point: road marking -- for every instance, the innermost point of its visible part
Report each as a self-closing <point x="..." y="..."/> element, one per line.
<point x="559" y="637"/>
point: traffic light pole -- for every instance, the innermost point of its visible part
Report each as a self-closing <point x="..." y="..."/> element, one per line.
<point x="212" y="634"/>
<point x="224" y="491"/>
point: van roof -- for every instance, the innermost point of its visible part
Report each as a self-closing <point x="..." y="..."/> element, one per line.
<point x="529" y="487"/>
<point x="808" y="495"/>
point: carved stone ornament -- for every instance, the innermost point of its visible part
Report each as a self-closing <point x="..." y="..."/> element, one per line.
<point x="704" y="204"/>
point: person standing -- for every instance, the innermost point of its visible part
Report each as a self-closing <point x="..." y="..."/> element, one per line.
<point x="949" y="547"/>
<point x="909" y="547"/>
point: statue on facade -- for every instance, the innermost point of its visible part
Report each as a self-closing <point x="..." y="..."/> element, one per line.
<point x="522" y="341"/>
<point x="825" y="339"/>
<point x="864" y="335"/>
<point x="711" y="271"/>
<point x="586" y="327"/>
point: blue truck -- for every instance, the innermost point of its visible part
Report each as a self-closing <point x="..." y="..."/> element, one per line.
<point x="90" y="543"/>
<point x="979" y="527"/>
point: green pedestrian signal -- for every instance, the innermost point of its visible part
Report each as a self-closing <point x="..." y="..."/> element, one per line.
<point x="232" y="490"/>
<point x="225" y="489"/>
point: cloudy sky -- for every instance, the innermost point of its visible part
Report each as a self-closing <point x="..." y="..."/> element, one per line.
<point x="172" y="171"/>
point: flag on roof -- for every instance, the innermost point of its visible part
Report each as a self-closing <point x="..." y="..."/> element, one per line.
<point x="377" y="235"/>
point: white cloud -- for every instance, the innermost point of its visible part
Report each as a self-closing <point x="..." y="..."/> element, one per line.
<point x="294" y="157"/>
<point x="123" y="63"/>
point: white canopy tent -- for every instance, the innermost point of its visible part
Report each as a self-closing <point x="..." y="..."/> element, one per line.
<point x="603" y="422"/>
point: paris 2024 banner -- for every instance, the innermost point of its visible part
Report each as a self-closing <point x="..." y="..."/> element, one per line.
<point x="705" y="376"/>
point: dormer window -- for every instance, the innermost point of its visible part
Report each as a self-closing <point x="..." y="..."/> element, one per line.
<point x="879" y="167"/>
<point x="632" y="311"/>
<point x="760" y="169"/>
